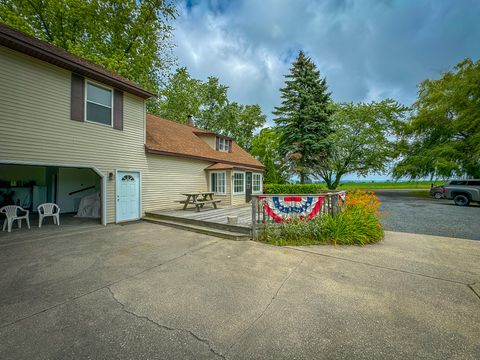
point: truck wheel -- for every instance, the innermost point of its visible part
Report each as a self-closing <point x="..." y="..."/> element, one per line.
<point x="461" y="200"/>
<point x="438" y="195"/>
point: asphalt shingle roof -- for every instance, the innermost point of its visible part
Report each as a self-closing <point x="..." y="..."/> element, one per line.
<point x="171" y="138"/>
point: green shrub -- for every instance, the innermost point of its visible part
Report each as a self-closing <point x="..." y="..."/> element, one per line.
<point x="351" y="227"/>
<point x="293" y="233"/>
<point x="318" y="188"/>
<point x="294" y="188"/>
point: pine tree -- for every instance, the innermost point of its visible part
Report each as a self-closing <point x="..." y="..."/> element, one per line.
<point x="304" y="117"/>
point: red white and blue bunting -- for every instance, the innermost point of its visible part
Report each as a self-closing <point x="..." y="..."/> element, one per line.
<point x="286" y="208"/>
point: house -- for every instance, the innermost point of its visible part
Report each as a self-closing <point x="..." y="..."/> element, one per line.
<point x="70" y="129"/>
<point x="203" y="159"/>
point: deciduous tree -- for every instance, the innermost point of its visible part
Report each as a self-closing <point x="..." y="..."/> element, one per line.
<point x="363" y="140"/>
<point x="237" y="121"/>
<point x="129" y="37"/>
<point x="265" y="146"/>
<point x="181" y="97"/>
<point x="442" y="138"/>
<point x="208" y="103"/>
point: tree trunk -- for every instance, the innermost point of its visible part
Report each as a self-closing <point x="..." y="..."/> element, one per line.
<point x="335" y="184"/>
<point x="302" y="178"/>
<point x="328" y="181"/>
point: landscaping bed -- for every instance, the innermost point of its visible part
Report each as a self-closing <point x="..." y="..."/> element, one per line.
<point x="356" y="224"/>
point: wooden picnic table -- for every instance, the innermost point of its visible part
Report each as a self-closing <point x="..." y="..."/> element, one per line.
<point x="199" y="199"/>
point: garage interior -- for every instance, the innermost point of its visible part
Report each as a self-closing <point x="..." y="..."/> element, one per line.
<point x="77" y="191"/>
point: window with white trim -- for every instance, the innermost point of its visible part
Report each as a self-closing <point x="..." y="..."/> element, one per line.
<point x="257" y="183"/>
<point x="223" y="144"/>
<point x="99" y="104"/>
<point x="238" y="183"/>
<point x="218" y="182"/>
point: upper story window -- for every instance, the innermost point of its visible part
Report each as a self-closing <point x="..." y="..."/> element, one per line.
<point x="257" y="183"/>
<point x="99" y="104"/>
<point x="223" y="144"/>
<point x="95" y="103"/>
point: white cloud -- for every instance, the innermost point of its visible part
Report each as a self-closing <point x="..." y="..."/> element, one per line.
<point x="368" y="50"/>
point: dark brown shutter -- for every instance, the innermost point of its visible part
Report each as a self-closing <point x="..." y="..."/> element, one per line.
<point x="229" y="145"/>
<point x="77" y="101"/>
<point x="118" y="109"/>
<point x="217" y="143"/>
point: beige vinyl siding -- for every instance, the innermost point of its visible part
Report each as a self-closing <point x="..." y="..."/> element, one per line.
<point x="35" y="123"/>
<point x="168" y="177"/>
<point x="238" y="199"/>
<point x="210" y="140"/>
<point x="35" y="127"/>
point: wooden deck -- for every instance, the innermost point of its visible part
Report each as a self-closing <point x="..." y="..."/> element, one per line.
<point x="208" y="221"/>
<point x="214" y="221"/>
<point x="218" y="216"/>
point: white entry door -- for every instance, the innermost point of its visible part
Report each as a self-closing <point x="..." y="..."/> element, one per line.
<point x="128" y="195"/>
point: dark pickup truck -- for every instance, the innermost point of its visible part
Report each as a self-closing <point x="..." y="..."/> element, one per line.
<point x="463" y="192"/>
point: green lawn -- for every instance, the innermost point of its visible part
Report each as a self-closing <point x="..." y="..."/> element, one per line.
<point x="317" y="188"/>
<point x="387" y="185"/>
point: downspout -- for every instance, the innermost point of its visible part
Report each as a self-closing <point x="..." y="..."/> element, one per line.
<point x="104" y="200"/>
<point x="231" y="187"/>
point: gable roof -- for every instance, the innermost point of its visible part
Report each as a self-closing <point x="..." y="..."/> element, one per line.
<point x="29" y="45"/>
<point x="167" y="137"/>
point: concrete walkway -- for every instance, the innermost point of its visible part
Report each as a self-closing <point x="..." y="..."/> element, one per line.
<point x="144" y="291"/>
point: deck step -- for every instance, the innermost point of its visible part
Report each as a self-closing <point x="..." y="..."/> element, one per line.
<point x="203" y="223"/>
<point x="224" y="234"/>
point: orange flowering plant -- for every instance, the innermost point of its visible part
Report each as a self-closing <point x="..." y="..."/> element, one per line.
<point x="363" y="200"/>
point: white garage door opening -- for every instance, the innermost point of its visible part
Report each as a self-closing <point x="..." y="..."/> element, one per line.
<point x="78" y="191"/>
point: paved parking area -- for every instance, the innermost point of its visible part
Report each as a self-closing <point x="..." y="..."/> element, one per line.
<point x="144" y="291"/>
<point x="406" y="212"/>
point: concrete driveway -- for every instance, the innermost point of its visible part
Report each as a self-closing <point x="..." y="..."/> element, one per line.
<point x="144" y="291"/>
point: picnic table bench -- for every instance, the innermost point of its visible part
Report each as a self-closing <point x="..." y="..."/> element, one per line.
<point x="199" y="199"/>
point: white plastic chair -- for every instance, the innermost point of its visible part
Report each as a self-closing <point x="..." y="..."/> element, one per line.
<point x="48" y="209"/>
<point x="11" y="212"/>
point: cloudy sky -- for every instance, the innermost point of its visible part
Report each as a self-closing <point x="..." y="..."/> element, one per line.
<point x="367" y="49"/>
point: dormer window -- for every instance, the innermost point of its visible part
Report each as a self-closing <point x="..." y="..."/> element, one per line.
<point x="224" y="144"/>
